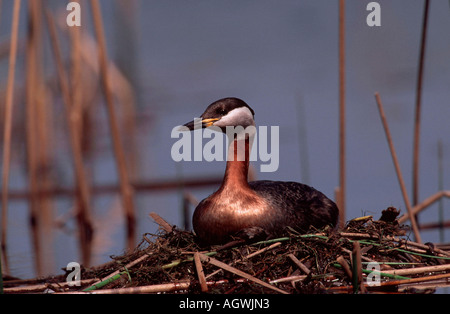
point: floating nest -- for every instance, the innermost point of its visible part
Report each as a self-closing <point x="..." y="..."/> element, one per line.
<point x="367" y="256"/>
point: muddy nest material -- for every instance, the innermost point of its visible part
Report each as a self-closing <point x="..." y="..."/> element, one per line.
<point x="366" y="256"/>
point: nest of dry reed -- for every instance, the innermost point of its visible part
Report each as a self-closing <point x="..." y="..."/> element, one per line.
<point x="366" y="256"/>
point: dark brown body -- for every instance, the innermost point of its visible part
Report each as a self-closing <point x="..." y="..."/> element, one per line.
<point x="267" y="206"/>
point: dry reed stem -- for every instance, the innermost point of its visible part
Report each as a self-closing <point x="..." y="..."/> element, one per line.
<point x="441" y="223"/>
<point x="357" y="265"/>
<point x="238" y="272"/>
<point x="76" y="78"/>
<point x="341" y="260"/>
<point x="83" y="214"/>
<point x="418" y="270"/>
<point x="398" y="170"/>
<point x="167" y="287"/>
<point x="249" y="256"/>
<point x="125" y="186"/>
<point x="270" y="247"/>
<point x="424" y="279"/>
<point x="415" y="280"/>
<point x="426" y="203"/>
<point x="8" y="131"/>
<point x="404" y="243"/>
<point x="409" y="244"/>
<point x="416" y="150"/>
<point x="76" y="86"/>
<point x="300" y="265"/>
<point x="31" y="135"/>
<point x="200" y="272"/>
<point x="42" y="287"/>
<point x="161" y="222"/>
<point x="289" y="279"/>
<point x="44" y="134"/>
<point x="342" y="123"/>
<point x="38" y="142"/>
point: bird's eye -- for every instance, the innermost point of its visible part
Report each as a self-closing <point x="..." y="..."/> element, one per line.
<point x="221" y="111"/>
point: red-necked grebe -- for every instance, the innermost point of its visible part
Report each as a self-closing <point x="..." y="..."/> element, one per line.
<point x="265" y="208"/>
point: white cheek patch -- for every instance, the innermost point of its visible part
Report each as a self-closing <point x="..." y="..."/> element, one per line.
<point x="239" y="116"/>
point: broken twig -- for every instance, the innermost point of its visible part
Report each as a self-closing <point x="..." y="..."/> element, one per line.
<point x="238" y="272"/>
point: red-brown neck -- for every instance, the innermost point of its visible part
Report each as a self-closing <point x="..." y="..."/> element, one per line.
<point x="238" y="162"/>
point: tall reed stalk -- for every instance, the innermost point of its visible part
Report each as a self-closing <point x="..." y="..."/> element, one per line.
<point x="73" y="118"/>
<point x="8" y="129"/>
<point x="342" y="124"/>
<point x="412" y="217"/>
<point x="31" y="132"/>
<point x="416" y="149"/>
<point x="440" y="156"/>
<point x="125" y="185"/>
